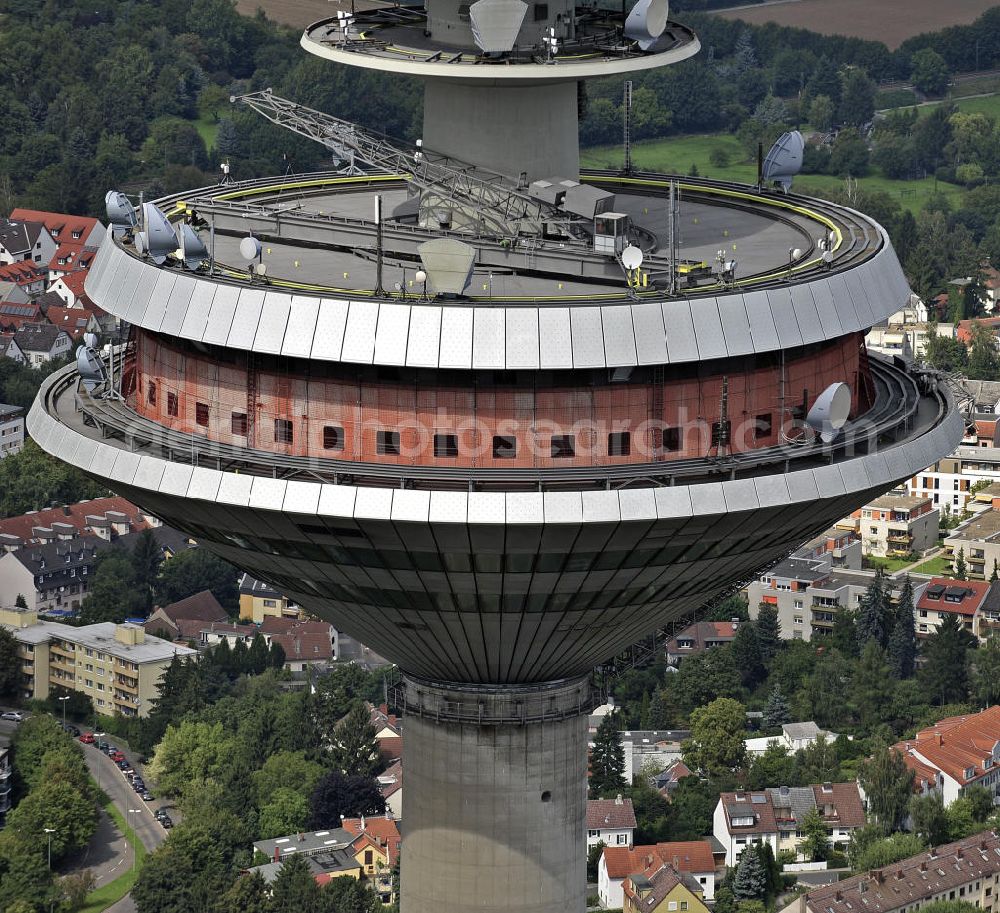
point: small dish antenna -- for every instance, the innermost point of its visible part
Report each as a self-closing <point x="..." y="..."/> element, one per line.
<point x="496" y="23"/>
<point x="121" y="213"/>
<point x="192" y="252"/>
<point x="646" y="22"/>
<point x="158" y="241"/>
<point x="829" y="413"/>
<point x="89" y="364"/>
<point x="250" y="248"/>
<point x="784" y="161"/>
<point x="632" y="257"/>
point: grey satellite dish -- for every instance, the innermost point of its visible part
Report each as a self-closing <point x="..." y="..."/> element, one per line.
<point x="91" y="368"/>
<point x="121" y="213"/>
<point x="829" y="413"/>
<point x="160" y="241"/>
<point x="632" y="257"/>
<point x="448" y="264"/>
<point x="495" y="24"/>
<point x="784" y="161"/>
<point x="250" y="248"/>
<point x="140" y="243"/>
<point x="192" y="250"/>
<point x="646" y="22"/>
<point x="90" y="339"/>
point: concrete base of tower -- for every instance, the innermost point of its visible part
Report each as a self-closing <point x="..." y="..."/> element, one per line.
<point x="527" y="129"/>
<point x="494" y="810"/>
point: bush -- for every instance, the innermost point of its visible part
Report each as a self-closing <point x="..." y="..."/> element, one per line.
<point x="719" y="157"/>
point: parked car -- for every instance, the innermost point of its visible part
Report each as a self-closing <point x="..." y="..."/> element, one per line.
<point x="101" y="745"/>
<point x="87" y="738"/>
<point x="123" y="765"/>
<point x="12" y="715"/>
<point x="160" y="814"/>
<point x="166" y="822"/>
<point x="111" y="749"/>
<point x="73" y="730"/>
<point x="147" y="796"/>
<point x="117" y="756"/>
<point x="138" y="785"/>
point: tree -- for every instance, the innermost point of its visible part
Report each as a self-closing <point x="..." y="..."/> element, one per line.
<point x="594" y="860"/>
<point x="353" y="748"/>
<point x="285" y="812"/>
<point x="928" y="818"/>
<point x="773" y="766"/>
<point x="76" y="887"/>
<point x="20" y="602"/>
<point x="821" y="112"/>
<point x="257" y="655"/>
<point x="249" y="894"/>
<point x="195" y="570"/>
<point x="165" y="882"/>
<point x="190" y="751"/>
<point x="768" y="630"/>
<point x="338" y="794"/>
<point x="607" y="759"/>
<point x="944" y="352"/>
<point x="59" y="806"/>
<point x="929" y="72"/>
<point x="747" y="654"/>
<point x="112" y="593"/>
<point x="984" y="673"/>
<point x="961" y="570"/>
<point x="903" y="640"/>
<point x="849" y="156"/>
<point x="944" y="673"/>
<point x="10" y="678"/>
<point x="868" y="849"/>
<point x="857" y="98"/>
<point x="873" y="613"/>
<point x="750" y="882"/>
<point x="816" y="842"/>
<point x="276" y="656"/>
<point x="776" y="711"/>
<point x="146" y="558"/>
<point x="868" y="686"/>
<point x="31" y="479"/>
<point x="717" y="746"/>
<point x="888" y="785"/>
<point x="286" y="770"/>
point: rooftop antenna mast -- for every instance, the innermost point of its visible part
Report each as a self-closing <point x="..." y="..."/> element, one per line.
<point x="378" y="245"/>
<point x="627" y="125"/>
<point x="673" y="234"/>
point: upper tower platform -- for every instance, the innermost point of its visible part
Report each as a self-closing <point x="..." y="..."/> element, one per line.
<point x="515" y="110"/>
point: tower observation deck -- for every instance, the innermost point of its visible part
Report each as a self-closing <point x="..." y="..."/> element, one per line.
<point x="442" y="408"/>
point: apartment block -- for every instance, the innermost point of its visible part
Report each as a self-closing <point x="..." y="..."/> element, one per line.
<point x="895" y="525"/>
<point x="259" y="600"/>
<point x="967" y="870"/>
<point x="978" y="541"/>
<point x="968" y="600"/>
<point x="118" y="667"/>
<point x="948" y="481"/>
<point x="11" y="430"/>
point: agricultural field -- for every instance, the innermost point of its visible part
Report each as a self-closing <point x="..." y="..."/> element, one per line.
<point x="890" y="21"/>
<point x="677" y="155"/>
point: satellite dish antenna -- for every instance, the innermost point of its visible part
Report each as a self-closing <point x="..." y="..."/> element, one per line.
<point x="121" y="213"/>
<point x="90" y="339"/>
<point x="90" y="366"/>
<point x="784" y="161"/>
<point x="250" y="248"/>
<point x="632" y="257"/>
<point x="192" y="250"/>
<point x="159" y="238"/>
<point x="140" y="243"/>
<point x="646" y="22"/>
<point x="496" y="23"/>
<point x="448" y="264"/>
<point x="829" y="413"/>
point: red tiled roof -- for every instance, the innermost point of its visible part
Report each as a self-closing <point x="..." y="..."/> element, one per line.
<point x="763" y="812"/>
<point x="201" y="606"/>
<point x="956" y="744"/>
<point x="976" y="591"/>
<point x="393" y="773"/>
<point x="382" y="831"/>
<point x="78" y="515"/>
<point x="60" y="225"/>
<point x="23" y="272"/>
<point x="272" y="624"/>
<point x="684" y="856"/>
<point x="390" y="748"/>
<point x="73" y="320"/>
<point x="845" y="798"/>
<point x="963" y="330"/>
<point x="701" y="632"/>
<point x="608" y="814"/>
<point x="304" y="647"/>
<point x="662" y="880"/>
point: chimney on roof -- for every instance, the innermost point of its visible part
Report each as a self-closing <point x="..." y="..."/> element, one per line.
<point x="828" y="787"/>
<point x="277" y="854"/>
<point x="735" y="623"/>
<point x="362" y="822"/>
<point x="838" y="896"/>
<point x="619" y="800"/>
<point x="302" y="837"/>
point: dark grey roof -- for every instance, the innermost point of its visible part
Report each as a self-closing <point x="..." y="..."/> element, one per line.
<point x="19" y="237"/>
<point x="37" y="337"/>
<point x="792" y="801"/>
<point x="799" y="569"/>
<point x="6" y="409"/>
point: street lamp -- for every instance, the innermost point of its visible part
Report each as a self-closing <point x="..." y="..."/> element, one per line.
<point x="63" y="700"/>
<point x="135" y="837"/>
<point x="99" y="735"/>
<point x="50" y="831"/>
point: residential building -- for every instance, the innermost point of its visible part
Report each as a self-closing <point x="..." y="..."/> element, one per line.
<point x="259" y="600"/>
<point x="105" y="518"/>
<point x="948" y="481"/>
<point x="184" y="619"/>
<point x="793" y="737"/>
<point x="10" y="349"/>
<point x="896" y="525"/>
<point x="774" y="816"/>
<point x="943" y="596"/>
<point x="693" y="857"/>
<point x="388" y="733"/>
<point x="213" y="633"/>
<point x="15" y="314"/>
<point x="74" y="321"/>
<point x="977" y="540"/>
<point x="667" y="780"/>
<point x="651" y="749"/>
<point x="610" y="821"/>
<point x="956" y="753"/>
<point x="25" y="240"/>
<point x="27" y="281"/>
<point x="325" y="866"/>
<point x="70" y="288"/>
<point x="74" y="239"/>
<point x="117" y="666"/>
<point x="307" y="644"/>
<point x="11" y="429"/>
<point x="6" y="782"/>
<point x="390" y="784"/>
<point x="698" y="637"/>
<point x="809" y="593"/>
<point x="660" y="889"/>
<point x="966" y="870"/>
<point x="42" y="342"/>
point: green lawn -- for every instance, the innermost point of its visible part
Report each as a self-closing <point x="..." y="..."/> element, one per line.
<point x="938" y="566"/>
<point x="208" y="129"/>
<point x="106" y="895"/>
<point x="676" y="155"/>
<point x="889" y="565"/>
